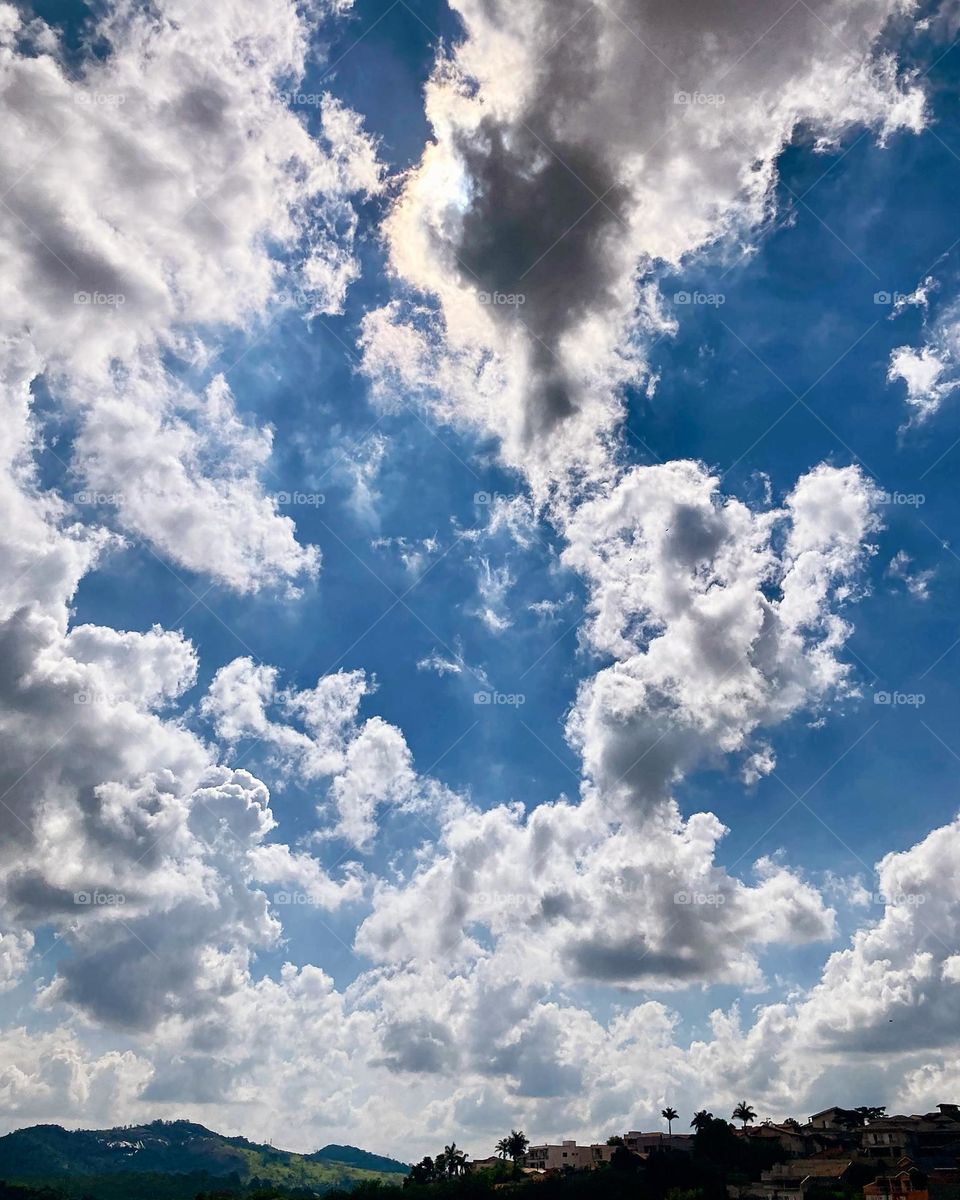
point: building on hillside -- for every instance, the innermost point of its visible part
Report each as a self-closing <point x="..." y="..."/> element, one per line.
<point x="791" y="1139"/>
<point x="907" y="1182"/>
<point x="835" y="1119"/>
<point x="650" y="1143"/>
<point x="486" y="1164"/>
<point x="800" y="1177"/>
<point x="915" y="1136"/>
<point x="567" y="1156"/>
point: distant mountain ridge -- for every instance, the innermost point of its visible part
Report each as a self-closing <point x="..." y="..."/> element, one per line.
<point x="355" y="1157"/>
<point x="49" y="1152"/>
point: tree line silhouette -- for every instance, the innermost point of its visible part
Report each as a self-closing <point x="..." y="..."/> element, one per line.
<point x="714" y="1134"/>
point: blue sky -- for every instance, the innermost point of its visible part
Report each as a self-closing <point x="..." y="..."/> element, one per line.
<point x="487" y="889"/>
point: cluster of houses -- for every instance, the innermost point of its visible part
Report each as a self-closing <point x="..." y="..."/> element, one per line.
<point x="837" y="1151"/>
<point x="568" y="1156"/>
<point x="913" y="1157"/>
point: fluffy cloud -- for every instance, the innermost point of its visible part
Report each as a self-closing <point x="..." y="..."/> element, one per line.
<point x="533" y="246"/>
<point x="870" y="994"/>
<point x="565" y="895"/>
<point x="122" y="833"/>
<point x="367" y="764"/>
<point x="722" y="621"/>
<point x="160" y="194"/>
<point x="455" y="1048"/>
<point x="14" y="957"/>
<point x="183" y="184"/>
<point x="715" y="633"/>
<point x="51" y="1077"/>
<point x="929" y="372"/>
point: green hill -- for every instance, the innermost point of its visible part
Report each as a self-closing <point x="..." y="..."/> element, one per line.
<point x="356" y="1157"/>
<point x="71" y="1160"/>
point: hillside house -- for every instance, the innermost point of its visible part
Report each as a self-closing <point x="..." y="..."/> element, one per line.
<point x="567" y="1156"/>
<point x="802" y="1176"/>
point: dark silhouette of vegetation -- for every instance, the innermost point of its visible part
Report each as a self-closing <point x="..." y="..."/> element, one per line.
<point x="517" y="1144"/>
<point x="720" y="1162"/>
<point x="719" y="1157"/>
<point x="454" y="1160"/>
<point x="743" y="1112"/>
<point x="425" y="1171"/>
<point x="449" y="1164"/>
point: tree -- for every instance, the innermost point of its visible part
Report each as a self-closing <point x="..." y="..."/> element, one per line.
<point x="701" y="1120"/>
<point x="517" y="1144"/>
<point x="868" y="1113"/>
<point x="503" y="1147"/>
<point x="455" y="1161"/>
<point x="616" y="1140"/>
<point x="743" y="1112"/>
<point x="425" y="1171"/>
<point x="669" y="1115"/>
<point x="623" y="1161"/>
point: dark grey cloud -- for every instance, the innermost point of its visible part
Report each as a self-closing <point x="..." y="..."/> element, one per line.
<point x="542" y="224"/>
<point x="534" y="1061"/>
<point x="191" y="1079"/>
<point x="589" y="165"/>
<point x="420" y="1045"/>
<point x="633" y="959"/>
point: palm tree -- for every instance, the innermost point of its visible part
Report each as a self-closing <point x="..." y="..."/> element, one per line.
<point x="701" y="1120"/>
<point x="454" y="1159"/>
<point x="517" y="1144"/>
<point x="503" y="1147"/>
<point x="743" y="1112"/>
<point x="669" y="1115"/>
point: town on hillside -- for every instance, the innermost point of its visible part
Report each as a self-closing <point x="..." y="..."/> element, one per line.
<point x="837" y="1154"/>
